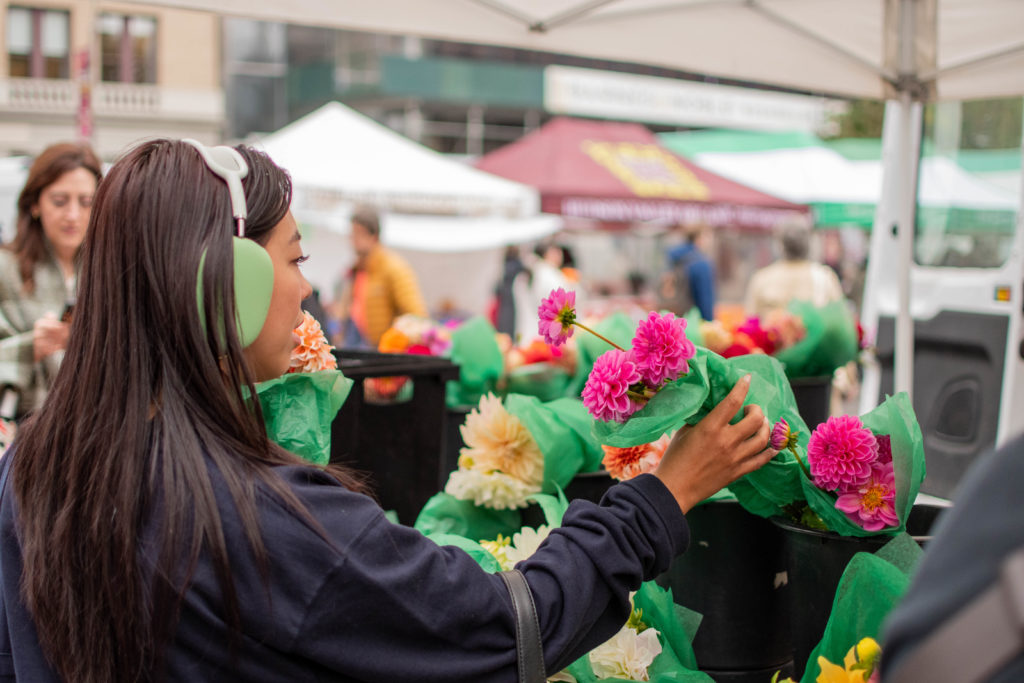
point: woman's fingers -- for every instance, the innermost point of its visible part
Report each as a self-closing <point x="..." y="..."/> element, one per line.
<point x="757" y="461"/>
<point x="731" y="404"/>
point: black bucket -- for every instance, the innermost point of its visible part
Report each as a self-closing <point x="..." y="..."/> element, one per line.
<point x="589" y="486"/>
<point x="816" y="561"/>
<point x="752" y="675"/>
<point x="813" y="398"/>
<point x="734" y="575"/>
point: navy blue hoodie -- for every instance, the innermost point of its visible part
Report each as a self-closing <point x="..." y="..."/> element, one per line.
<point x="380" y="602"/>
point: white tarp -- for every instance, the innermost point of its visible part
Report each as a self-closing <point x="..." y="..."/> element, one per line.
<point x="451" y="221"/>
<point x="338" y="157"/>
<point x="810" y="175"/>
<point x="829" y="46"/>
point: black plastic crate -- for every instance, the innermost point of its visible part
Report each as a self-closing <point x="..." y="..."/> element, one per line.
<point x="401" y="442"/>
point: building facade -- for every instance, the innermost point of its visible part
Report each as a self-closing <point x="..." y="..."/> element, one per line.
<point x="109" y="73"/>
<point x="460" y="98"/>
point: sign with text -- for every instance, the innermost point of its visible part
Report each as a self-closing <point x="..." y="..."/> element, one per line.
<point x="651" y="99"/>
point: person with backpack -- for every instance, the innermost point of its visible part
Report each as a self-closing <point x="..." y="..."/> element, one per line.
<point x="690" y="278"/>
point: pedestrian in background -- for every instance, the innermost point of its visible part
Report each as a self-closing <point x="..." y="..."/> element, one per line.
<point x="39" y="272"/>
<point x="794" y="277"/>
<point x="380" y="287"/>
<point x="690" y="277"/>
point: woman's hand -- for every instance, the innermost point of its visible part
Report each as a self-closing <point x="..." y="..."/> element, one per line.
<point x="712" y="454"/>
<point x="49" y="335"/>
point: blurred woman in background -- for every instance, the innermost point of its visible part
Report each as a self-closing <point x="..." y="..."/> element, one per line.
<point x="38" y="273"/>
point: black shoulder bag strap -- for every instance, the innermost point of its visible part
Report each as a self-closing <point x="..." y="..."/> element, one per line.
<point x="979" y="640"/>
<point x="529" y="649"/>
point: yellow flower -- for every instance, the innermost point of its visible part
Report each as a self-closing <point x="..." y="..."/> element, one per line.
<point x="496" y="441"/>
<point x="859" y="663"/>
<point x="499" y="548"/>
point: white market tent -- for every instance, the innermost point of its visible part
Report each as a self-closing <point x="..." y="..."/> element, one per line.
<point x="429" y="204"/>
<point x="801" y="168"/>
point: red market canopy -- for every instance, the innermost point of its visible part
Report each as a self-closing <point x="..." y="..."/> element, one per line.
<point x="618" y="172"/>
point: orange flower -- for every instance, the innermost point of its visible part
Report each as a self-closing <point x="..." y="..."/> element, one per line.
<point x="313" y="352"/>
<point x="626" y="463"/>
<point x="393" y="341"/>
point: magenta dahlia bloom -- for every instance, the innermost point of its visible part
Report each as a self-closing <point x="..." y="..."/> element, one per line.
<point x="557" y="314"/>
<point x="841" y="452"/>
<point x="661" y="348"/>
<point x="872" y="504"/>
<point x="607" y="392"/>
<point x="782" y="436"/>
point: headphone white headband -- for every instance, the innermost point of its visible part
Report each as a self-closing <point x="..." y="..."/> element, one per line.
<point x="228" y="165"/>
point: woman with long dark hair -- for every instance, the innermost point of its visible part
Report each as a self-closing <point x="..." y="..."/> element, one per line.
<point x="149" y="530"/>
<point x="38" y="270"/>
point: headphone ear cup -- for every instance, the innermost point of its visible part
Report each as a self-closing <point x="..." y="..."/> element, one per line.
<point x="254" y="287"/>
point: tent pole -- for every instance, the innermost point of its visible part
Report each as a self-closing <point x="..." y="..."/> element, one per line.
<point x="909" y="132"/>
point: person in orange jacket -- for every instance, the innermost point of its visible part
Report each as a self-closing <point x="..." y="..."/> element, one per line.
<point x="380" y="287"/>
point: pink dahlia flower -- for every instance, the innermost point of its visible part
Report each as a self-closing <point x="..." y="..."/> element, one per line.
<point x="661" y="348"/>
<point x="841" y="452"/>
<point x="606" y="393"/>
<point x="871" y="505"/>
<point x="782" y="436"/>
<point x="557" y="313"/>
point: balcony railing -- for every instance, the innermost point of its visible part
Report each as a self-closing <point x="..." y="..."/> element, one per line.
<point x="51" y="96"/>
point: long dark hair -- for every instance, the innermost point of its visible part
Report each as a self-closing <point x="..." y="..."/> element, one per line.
<point x="146" y="401"/>
<point x="29" y="245"/>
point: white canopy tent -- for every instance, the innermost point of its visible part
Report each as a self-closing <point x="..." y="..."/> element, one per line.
<point x="429" y="204"/>
<point x="843" y="191"/>
<point x="906" y="51"/>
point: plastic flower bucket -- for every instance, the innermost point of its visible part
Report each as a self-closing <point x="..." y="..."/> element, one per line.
<point x="813" y="396"/>
<point x="815" y="561"/>
<point x="733" y="575"/>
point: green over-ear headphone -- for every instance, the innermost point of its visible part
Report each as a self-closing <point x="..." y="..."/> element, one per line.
<point x="254" y="271"/>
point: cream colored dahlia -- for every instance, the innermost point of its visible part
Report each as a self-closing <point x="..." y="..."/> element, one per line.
<point x="497" y="441"/>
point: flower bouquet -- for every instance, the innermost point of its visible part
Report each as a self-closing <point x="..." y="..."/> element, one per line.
<point x="407" y="334"/>
<point x="778" y="330"/>
<point x="515" y="447"/>
<point x="862" y="474"/>
<point x="664" y="381"/>
<point x="299" y="406"/>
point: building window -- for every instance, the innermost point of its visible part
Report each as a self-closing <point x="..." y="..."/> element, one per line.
<point x="37" y="42"/>
<point x="127" y="48"/>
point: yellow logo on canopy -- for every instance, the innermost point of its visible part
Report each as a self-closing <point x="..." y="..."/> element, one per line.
<point x="648" y="170"/>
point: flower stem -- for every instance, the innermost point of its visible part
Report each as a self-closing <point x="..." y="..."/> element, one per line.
<point x="801" y="463"/>
<point x="638" y="397"/>
<point x="599" y="336"/>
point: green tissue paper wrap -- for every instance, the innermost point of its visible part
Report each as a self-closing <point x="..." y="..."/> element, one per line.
<point x="691" y="397"/>
<point x="475" y="350"/>
<point x="298" y="409"/>
<point x="830" y="342"/>
<point x="562" y="448"/>
<point x="561" y="431"/>
<point x="446" y="514"/>
<point x="871" y="585"/>
<point x="895" y="418"/>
